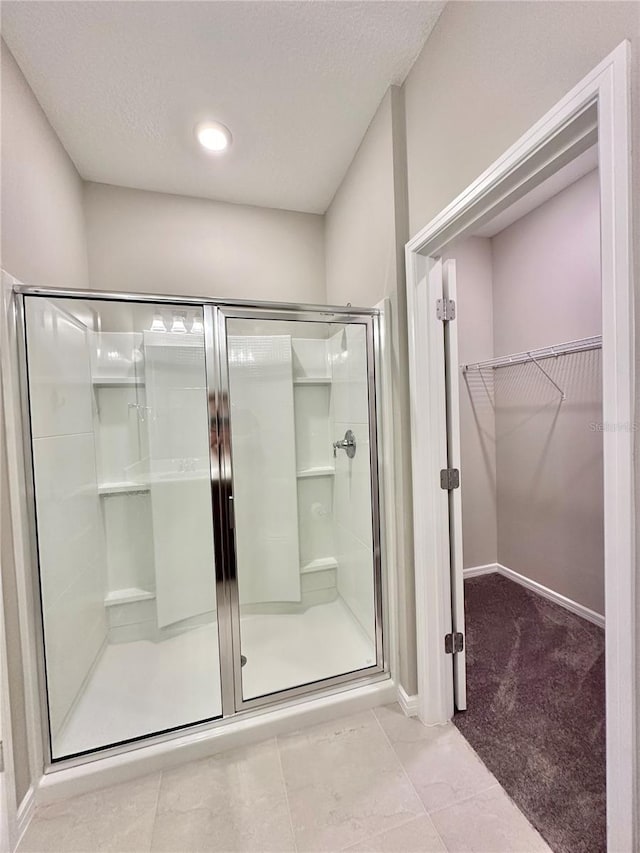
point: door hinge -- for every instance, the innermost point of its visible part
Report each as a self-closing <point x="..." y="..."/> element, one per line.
<point x="449" y="479"/>
<point x="453" y="643"/>
<point x="446" y="310"/>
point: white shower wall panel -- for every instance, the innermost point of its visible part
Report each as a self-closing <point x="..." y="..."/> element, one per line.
<point x="116" y="354"/>
<point x="116" y="357"/>
<point x="310" y="357"/>
<point x="129" y="537"/>
<point x="352" y="485"/>
<point x="59" y="377"/>
<point x="179" y="479"/>
<point x="70" y="539"/>
<point x="312" y="428"/>
<point x="176" y="390"/>
<point x="72" y="563"/>
<point x="352" y="490"/>
<point x="315" y="516"/>
<point x="184" y="558"/>
<point x="120" y="443"/>
<point x="178" y="419"/>
<point x="355" y="577"/>
<point x="69" y="523"/>
<point x="75" y="634"/>
<point x="348" y="358"/>
<point x="264" y="468"/>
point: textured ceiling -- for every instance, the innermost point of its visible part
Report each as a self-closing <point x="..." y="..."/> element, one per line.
<point x="124" y="83"/>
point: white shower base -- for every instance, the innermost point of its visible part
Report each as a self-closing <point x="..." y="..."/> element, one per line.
<point x="144" y="687"/>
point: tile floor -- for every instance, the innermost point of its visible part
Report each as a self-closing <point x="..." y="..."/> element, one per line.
<point x="146" y="687"/>
<point x="373" y="781"/>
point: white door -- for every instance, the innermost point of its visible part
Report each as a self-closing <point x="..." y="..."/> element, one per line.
<point x="452" y="372"/>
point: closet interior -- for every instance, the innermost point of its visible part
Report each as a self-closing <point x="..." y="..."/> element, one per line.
<point x="530" y="394"/>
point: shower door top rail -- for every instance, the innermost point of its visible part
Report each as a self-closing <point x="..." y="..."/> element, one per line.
<point x="257" y="304"/>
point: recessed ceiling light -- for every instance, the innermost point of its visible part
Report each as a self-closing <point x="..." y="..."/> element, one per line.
<point x="213" y="136"/>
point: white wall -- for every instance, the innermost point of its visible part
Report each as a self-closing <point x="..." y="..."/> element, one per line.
<point x="546" y="520"/>
<point x="42" y="242"/>
<point x="361" y="269"/>
<point x="14" y="723"/>
<point x="153" y="242"/>
<point x="487" y="73"/>
<point x="549" y="461"/>
<point x="43" y="235"/>
<point x="546" y="272"/>
<point x="366" y="229"/>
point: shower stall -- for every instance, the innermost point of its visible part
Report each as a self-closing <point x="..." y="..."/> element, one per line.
<point x="204" y="510"/>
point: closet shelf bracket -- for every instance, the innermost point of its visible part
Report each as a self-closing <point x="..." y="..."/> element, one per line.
<point x="563" y="396"/>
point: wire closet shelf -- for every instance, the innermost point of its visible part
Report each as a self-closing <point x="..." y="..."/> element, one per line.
<point x="537" y="355"/>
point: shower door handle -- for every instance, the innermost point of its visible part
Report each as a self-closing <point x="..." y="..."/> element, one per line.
<point x="348" y="444"/>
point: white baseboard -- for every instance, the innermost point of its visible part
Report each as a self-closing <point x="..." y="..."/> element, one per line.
<point x="409" y="704"/>
<point x="562" y="600"/>
<point x="534" y="586"/>
<point x="488" y="569"/>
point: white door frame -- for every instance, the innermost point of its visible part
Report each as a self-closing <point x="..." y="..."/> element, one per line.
<point x="598" y="104"/>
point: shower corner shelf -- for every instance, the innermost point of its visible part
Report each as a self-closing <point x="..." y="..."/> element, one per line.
<point x="116" y="382"/>
<point x="312" y="380"/>
<point x="320" y="471"/>
<point x="319" y="565"/>
<point x="127" y="596"/>
<point x="122" y="488"/>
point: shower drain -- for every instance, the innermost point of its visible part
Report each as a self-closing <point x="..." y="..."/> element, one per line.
<point x="243" y="660"/>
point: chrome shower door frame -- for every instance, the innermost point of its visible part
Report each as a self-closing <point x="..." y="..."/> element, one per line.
<point x="215" y="314"/>
<point x="19" y="325"/>
<point x="370" y="319"/>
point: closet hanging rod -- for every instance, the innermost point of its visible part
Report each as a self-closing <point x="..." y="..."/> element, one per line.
<point x="534" y="355"/>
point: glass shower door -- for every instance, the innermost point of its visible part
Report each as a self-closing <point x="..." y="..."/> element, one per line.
<point x="205" y="509"/>
<point x="307" y="591"/>
<point x="118" y="408"/>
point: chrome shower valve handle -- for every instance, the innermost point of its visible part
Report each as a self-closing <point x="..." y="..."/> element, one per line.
<point x="348" y="444"/>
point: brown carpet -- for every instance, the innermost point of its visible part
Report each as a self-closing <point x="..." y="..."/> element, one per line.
<point x="536" y="716"/>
